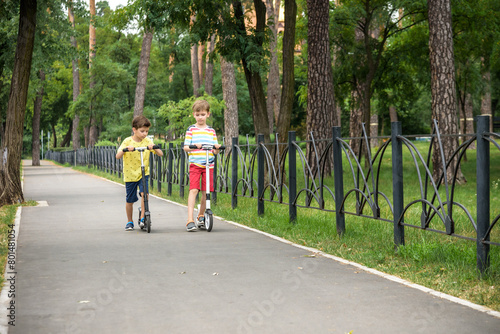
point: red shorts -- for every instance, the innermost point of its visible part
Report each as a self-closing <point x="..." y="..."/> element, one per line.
<point x="195" y="174"/>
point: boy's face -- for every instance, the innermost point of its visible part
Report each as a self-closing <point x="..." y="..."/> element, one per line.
<point x="201" y="117"/>
<point x="140" y="133"/>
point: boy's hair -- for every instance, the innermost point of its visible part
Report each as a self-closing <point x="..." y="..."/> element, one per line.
<point x="140" y="121"/>
<point x="200" y="105"/>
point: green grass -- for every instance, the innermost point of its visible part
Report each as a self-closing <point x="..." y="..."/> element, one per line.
<point x="443" y="263"/>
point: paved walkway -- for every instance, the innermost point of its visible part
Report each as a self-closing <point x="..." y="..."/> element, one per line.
<point x="78" y="271"/>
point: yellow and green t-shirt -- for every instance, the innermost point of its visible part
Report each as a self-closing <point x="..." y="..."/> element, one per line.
<point x="132" y="160"/>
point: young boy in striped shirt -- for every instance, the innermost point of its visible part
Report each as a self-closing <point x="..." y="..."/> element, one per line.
<point x="198" y="134"/>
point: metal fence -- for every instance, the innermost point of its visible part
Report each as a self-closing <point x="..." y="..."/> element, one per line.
<point x="339" y="180"/>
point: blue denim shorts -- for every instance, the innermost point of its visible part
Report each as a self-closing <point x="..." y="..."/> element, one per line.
<point x="131" y="188"/>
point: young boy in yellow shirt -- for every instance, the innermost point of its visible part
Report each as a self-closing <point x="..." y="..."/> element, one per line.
<point x="132" y="174"/>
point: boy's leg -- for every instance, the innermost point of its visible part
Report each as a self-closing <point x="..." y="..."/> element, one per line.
<point x="128" y="209"/>
<point x="203" y="203"/>
<point x="141" y="192"/>
<point x="191" y="203"/>
<point x="142" y="206"/>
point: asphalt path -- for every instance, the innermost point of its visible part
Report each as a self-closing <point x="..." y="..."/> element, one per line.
<point x="78" y="271"/>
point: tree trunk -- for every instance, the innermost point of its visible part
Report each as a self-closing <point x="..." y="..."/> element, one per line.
<point x="10" y="155"/>
<point x="254" y="81"/>
<point x="320" y="95"/>
<point x="229" y="95"/>
<point x="486" y="100"/>
<point x="357" y="94"/>
<point x="86" y="132"/>
<point x="76" y="80"/>
<point x="142" y="74"/>
<point x="92" y="42"/>
<point x="195" y="70"/>
<point x="67" y="136"/>
<point x="444" y="99"/>
<point x="209" y="73"/>
<point x="2" y="122"/>
<point x="273" y="80"/>
<point x="54" y="135"/>
<point x="201" y="63"/>
<point x="393" y="114"/>
<point x="469" y="118"/>
<point x="37" y="112"/>
<point x="374" y="130"/>
<point x="288" y="90"/>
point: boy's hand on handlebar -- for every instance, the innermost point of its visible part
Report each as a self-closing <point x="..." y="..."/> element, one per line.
<point x="129" y="149"/>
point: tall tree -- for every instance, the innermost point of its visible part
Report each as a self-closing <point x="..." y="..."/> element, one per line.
<point x="92" y="135"/>
<point x="142" y="74"/>
<point x="444" y="98"/>
<point x="273" y="79"/>
<point x="195" y="70"/>
<point x="486" y="98"/>
<point x="76" y="79"/>
<point x="229" y="95"/>
<point x="251" y="69"/>
<point x="288" y="90"/>
<point x="209" y="73"/>
<point x="10" y="155"/>
<point x="37" y="111"/>
<point x="321" y="114"/>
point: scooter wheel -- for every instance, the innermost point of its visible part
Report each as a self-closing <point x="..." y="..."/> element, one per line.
<point x="209" y="221"/>
<point x="147" y="221"/>
<point x="139" y="220"/>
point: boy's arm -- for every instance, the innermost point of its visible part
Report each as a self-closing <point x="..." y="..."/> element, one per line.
<point x="119" y="153"/>
<point x="159" y="152"/>
<point x="216" y="145"/>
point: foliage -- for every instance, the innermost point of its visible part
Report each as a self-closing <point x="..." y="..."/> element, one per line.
<point x="105" y="143"/>
<point x="179" y="114"/>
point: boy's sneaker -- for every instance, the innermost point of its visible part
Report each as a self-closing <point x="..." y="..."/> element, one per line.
<point x="141" y="223"/>
<point x="201" y="221"/>
<point x="129" y="226"/>
<point x="190" y="227"/>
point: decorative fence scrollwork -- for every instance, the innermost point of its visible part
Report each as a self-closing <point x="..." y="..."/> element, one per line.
<point x="339" y="180"/>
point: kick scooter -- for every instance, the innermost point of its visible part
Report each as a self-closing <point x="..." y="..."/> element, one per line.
<point x="208" y="214"/>
<point x="147" y="215"/>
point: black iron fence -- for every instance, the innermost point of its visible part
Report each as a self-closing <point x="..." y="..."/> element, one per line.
<point x="340" y="180"/>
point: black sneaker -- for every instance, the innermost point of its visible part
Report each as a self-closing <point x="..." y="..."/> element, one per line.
<point x="190" y="227"/>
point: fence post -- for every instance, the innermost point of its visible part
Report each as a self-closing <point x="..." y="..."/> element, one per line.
<point x="182" y="168"/>
<point x="260" y="174"/>
<point x="338" y="176"/>
<point x="397" y="183"/>
<point x="483" y="193"/>
<point x="292" y="177"/>
<point x="158" y="170"/>
<point x="213" y="195"/>
<point x="151" y="171"/>
<point x="234" y="172"/>
<point x="169" y="168"/>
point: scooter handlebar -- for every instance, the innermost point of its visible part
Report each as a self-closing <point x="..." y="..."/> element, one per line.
<point x="206" y="147"/>
<point x="155" y="147"/>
